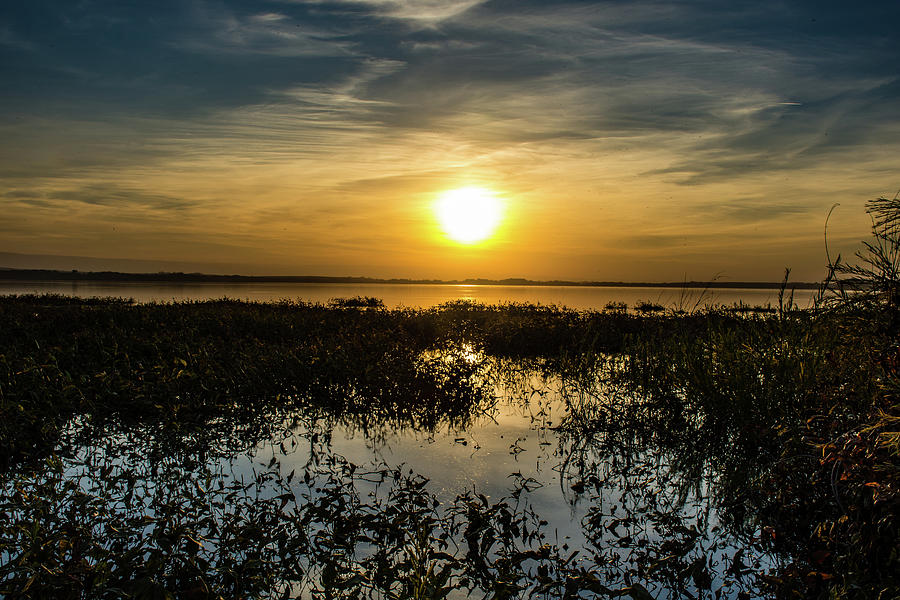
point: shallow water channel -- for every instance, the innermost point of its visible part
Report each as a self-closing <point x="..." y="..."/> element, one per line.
<point x="525" y="485"/>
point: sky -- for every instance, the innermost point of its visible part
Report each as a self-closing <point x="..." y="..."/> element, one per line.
<point x="626" y="141"/>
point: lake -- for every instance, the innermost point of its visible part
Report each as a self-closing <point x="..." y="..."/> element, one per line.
<point x="605" y="503"/>
<point x="309" y="449"/>
<point x="412" y="295"/>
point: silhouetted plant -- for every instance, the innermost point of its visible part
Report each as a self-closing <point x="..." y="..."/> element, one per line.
<point x="875" y="276"/>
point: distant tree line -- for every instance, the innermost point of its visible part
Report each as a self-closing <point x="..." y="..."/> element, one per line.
<point x="179" y="277"/>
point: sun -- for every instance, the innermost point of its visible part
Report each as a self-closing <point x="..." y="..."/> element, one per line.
<point x="469" y="214"/>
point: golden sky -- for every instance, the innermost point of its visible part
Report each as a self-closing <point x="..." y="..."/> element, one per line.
<point x="636" y="141"/>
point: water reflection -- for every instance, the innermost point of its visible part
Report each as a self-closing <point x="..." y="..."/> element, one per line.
<point x="460" y="470"/>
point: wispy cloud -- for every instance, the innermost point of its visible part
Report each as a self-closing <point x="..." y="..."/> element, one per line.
<point x="416" y="10"/>
<point x="217" y="30"/>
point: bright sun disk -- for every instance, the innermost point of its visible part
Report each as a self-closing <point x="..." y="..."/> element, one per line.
<point x="469" y="214"/>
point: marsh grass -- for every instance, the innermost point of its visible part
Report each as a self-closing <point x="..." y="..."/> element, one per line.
<point x="721" y="452"/>
<point x="790" y="417"/>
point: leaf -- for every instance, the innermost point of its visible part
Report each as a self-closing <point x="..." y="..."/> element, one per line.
<point x="636" y="591"/>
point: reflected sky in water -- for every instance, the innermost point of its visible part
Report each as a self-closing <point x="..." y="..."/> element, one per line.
<point x="606" y="500"/>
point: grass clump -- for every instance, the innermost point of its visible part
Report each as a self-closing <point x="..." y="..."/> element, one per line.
<point x="356" y="302"/>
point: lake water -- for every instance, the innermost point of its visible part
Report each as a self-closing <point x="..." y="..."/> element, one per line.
<point x="412" y="295"/>
<point x="467" y="430"/>
<point x="610" y="502"/>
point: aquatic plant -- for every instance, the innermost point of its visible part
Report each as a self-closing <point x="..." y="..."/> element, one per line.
<point x="720" y="452"/>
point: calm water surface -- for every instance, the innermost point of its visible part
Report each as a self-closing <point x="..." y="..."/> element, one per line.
<point x="412" y="295"/>
<point x="517" y="433"/>
<point x="622" y="494"/>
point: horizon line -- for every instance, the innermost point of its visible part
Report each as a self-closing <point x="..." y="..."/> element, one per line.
<point x="17" y="274"/>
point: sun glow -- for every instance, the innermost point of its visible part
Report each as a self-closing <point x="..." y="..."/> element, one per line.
<point x="469" y="215"/>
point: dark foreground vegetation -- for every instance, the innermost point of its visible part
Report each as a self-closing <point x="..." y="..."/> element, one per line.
<point x="121" y="425"/>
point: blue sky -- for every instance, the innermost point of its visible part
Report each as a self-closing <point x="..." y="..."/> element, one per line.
<point x="629" y="140"/>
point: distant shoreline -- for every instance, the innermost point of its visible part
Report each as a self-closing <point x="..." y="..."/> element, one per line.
<point x="178" y="277"/>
